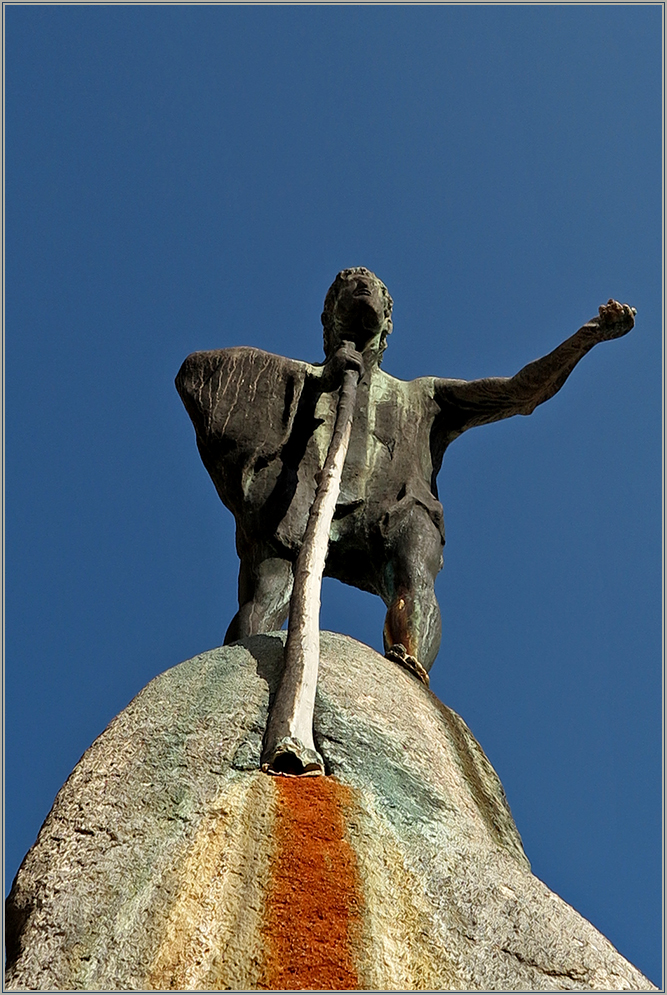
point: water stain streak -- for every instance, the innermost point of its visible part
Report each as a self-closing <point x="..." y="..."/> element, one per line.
<point x="313" y="907"/>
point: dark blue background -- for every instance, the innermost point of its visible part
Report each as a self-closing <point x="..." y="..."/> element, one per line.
<point x="192" y="177"/>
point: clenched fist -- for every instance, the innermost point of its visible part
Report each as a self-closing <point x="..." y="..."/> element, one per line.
<point x="614" y="320"/>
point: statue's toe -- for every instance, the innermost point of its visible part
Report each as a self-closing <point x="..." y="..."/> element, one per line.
<point x="398" y="654"/>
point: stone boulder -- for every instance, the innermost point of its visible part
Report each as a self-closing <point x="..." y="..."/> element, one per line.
<point x="169" y="862"/>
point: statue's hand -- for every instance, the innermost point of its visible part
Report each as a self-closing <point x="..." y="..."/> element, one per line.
<point x="346" y="357"/>
<point x="614" y="320"/>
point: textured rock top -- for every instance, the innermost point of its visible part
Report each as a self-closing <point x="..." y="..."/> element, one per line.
<point x="169" y="862"/>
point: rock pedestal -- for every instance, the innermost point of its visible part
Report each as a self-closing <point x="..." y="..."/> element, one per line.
<point x="169" y="862"/>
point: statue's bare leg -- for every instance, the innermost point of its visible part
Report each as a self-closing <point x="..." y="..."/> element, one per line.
<point x="265" y="588"/>
<point x="413" y="627"/>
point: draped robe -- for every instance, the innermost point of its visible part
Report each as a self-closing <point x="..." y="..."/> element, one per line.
<point x="264" y="422"/>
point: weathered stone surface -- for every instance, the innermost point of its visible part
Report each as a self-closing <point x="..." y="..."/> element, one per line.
<point x="170" y="862"/>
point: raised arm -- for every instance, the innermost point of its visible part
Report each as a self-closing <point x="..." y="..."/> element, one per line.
<point x="466" y="403"/>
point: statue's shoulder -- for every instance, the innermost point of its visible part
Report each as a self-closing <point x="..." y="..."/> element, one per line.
<point x="237" y="362"/>
<point x="419" y="387"/>
<point x="240" y="394"/>
<point x="440" y="386"/>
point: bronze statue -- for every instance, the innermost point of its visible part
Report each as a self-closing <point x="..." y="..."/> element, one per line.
<point x="263" y="425"/>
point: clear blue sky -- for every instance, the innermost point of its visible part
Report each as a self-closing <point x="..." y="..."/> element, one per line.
<point x="193" y="177"/>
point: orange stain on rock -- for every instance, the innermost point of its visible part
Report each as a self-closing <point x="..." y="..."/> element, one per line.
<point x="313" y="903"/>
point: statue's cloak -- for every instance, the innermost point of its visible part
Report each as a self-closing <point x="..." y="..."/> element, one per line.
<point x="264" y="424"/>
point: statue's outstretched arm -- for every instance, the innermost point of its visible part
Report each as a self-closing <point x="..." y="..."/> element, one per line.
<point x="467" y="403"/>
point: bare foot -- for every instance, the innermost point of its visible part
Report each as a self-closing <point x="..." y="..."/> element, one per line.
<point x="398" y="654"/>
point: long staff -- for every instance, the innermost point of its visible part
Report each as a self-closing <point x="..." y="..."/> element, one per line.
<point x="288" y="745"/>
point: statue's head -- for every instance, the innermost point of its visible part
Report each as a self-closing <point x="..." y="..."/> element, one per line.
<point x="357" y="307"/>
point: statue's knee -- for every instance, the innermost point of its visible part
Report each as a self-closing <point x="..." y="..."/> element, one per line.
<point x="417" y="556"/>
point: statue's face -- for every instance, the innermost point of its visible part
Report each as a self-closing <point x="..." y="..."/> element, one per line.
<point x="359" y="309"/>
